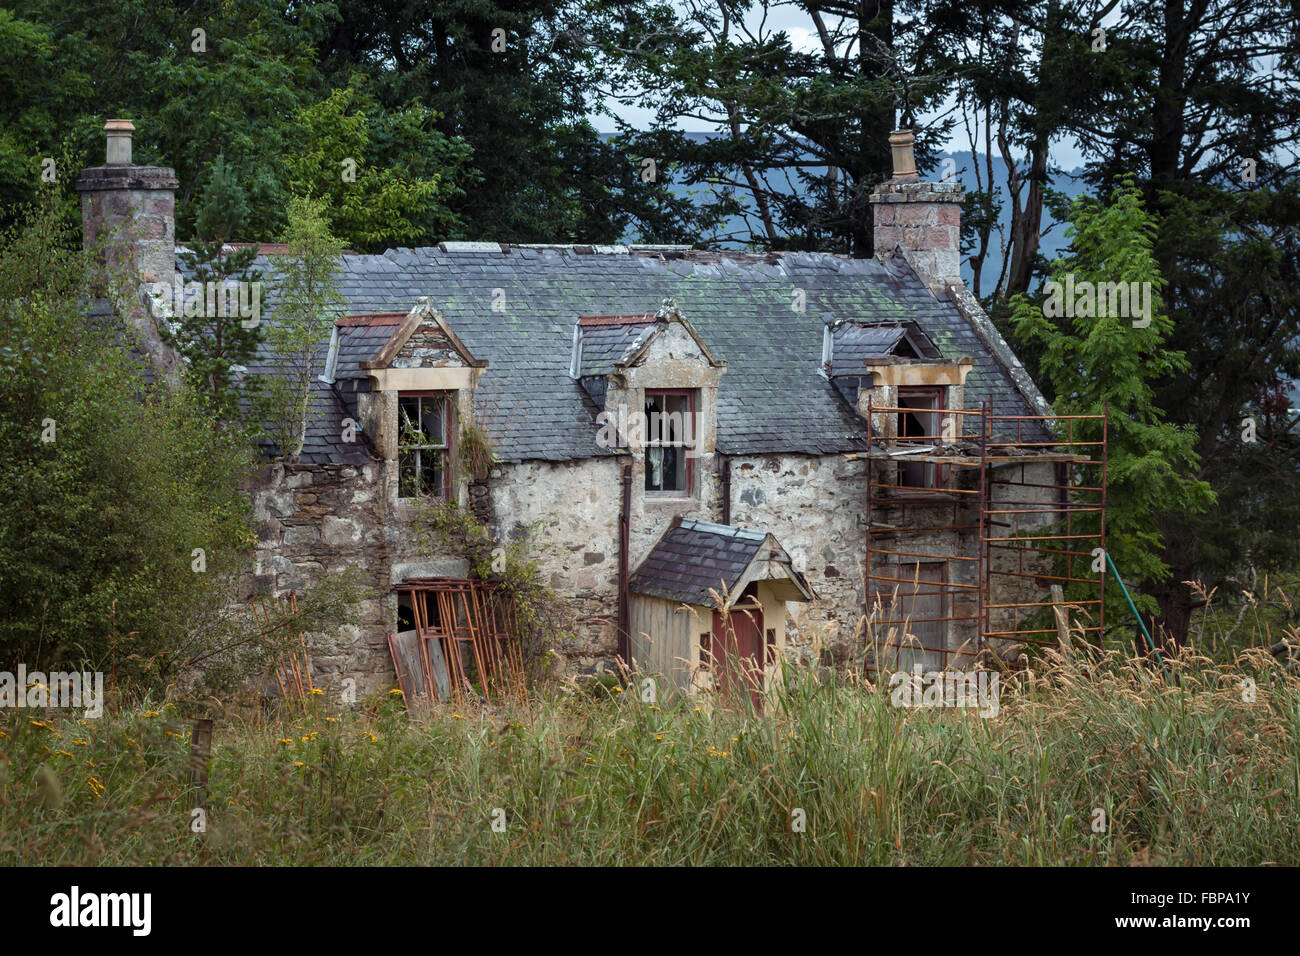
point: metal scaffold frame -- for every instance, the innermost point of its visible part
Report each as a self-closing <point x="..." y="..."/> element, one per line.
<point x="1003" y="542"/>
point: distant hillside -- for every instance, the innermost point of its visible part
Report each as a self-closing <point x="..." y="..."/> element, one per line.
<point x="1052" y="244"/>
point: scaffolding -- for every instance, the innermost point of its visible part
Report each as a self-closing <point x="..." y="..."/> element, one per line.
<point x="958" y="555"/>
<point x="467" y="642"/>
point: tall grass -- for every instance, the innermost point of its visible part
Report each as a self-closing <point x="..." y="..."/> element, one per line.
<point x="1195" y="770"/>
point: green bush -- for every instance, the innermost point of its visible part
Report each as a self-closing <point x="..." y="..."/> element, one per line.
<point x="122" y="525"/>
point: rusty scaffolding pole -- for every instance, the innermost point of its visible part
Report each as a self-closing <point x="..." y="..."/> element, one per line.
<point x="1010" y="546"/>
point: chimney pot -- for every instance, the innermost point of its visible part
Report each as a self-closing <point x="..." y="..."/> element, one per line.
<point x="119" y="142"/>
<point x="902" y="144"/>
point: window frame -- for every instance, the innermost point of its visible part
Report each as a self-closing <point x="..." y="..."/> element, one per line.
<point x="937" y="474"/>
<point x="448" y="448"/>
<point x="690" y="394"/>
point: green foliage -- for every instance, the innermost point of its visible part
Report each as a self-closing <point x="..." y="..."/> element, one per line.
<point x="369" y="205"/>
<point x="257" y="94"/>
<point x="238" y="645"/>
<point x="121" y="537"/>
<point x="224" y="210"/>
<point x="476" y="454"/>
<point x="537" y="610"/>
<point x="1094" y="362"/>
<point x="802" y="135"/>
<point x="212" y="341"/>
<point x="307" y="305"/>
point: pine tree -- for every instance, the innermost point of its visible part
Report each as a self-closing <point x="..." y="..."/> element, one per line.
<point x="1094" y="360"/>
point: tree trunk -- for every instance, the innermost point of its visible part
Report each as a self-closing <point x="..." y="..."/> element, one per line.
<point x="1176" y="604"/>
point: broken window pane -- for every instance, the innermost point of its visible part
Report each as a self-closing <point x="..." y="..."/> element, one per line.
<point x="424" y="424"/>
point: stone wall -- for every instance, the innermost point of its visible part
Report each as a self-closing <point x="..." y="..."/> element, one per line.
<point x="812" y="505"/>
<point x="1012" y="487"/>
<point x="320" y="519"/>
<point x="315" y="520"/>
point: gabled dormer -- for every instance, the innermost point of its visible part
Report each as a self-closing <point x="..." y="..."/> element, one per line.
<point x="415" y="381"/>
<point x="656" y="383"/>
<point x="893" y="365"/>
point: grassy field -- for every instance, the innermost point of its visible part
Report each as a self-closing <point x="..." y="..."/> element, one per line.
<point x="1197" y="770"/>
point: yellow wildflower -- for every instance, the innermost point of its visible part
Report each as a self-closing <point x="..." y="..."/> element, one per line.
<point x="81" y="743"/>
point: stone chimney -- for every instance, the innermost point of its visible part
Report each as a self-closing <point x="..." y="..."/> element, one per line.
<point x="127" y="219"/>
<point x="923" y="218"/>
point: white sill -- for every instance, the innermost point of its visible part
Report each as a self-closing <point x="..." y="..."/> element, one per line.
<point x="652" y="497"/>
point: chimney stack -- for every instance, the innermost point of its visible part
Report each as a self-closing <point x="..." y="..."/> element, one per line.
<point x="127" y="219"/>
<point x="922" y="218"/>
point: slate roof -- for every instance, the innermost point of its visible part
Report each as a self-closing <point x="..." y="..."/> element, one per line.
<point x="852" y="343"/>
<point x="693" y="557"/>
<point x="608" y="339"/>
<point x="360" y="339"/>
<point x="771" y="398"/>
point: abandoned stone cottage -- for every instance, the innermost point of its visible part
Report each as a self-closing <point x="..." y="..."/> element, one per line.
<point x="817" y="437"/>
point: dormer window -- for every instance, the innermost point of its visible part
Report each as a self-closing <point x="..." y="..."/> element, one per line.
<point x="671" y="441"/>
<point x="426" y="425"/>
<point x="920" y="423"/>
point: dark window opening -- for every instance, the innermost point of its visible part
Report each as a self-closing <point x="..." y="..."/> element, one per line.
<point x="406" y="612"/>
<point x="922" y="424"/>
<point x="424" y="433"/>
<point x="670" y="442"/>
<point x="706" y="655"/>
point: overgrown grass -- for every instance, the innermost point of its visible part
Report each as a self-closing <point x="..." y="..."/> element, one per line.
<point x="1198" y="771"/>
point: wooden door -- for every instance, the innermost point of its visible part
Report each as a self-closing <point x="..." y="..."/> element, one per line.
<point x="736" y="652"/>
<point x="922" y="599"/>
